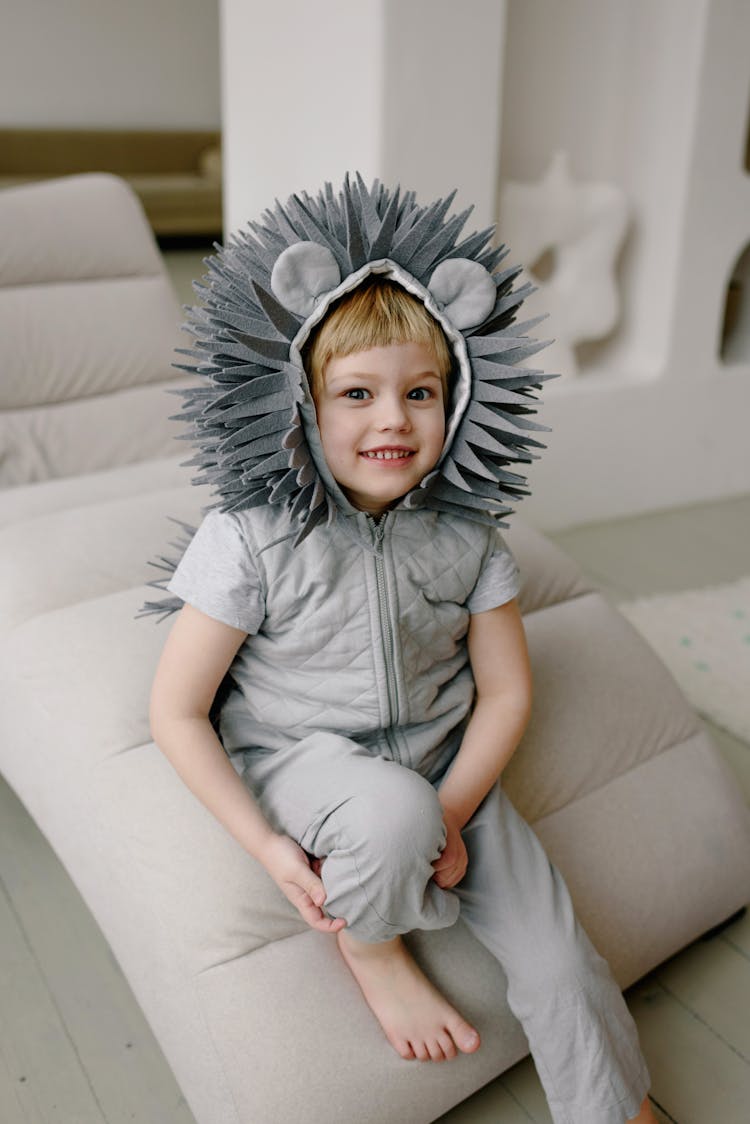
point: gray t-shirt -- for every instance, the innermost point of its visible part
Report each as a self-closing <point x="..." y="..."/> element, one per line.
<point x="218" y="575"/>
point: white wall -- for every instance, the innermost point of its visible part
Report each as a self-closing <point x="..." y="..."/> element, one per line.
<point x="405" y="91"/>
<point x="654" y="96"/>
<point x="613" y="85"/>
<point x="110" y="63"/>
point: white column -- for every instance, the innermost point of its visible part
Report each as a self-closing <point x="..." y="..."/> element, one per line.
<point x="407" y="90"/>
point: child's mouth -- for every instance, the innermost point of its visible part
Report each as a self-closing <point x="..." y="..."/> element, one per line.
<point x="388" y="454"/>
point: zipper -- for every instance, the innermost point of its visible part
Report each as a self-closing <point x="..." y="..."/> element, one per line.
<point x="387" y="639"/>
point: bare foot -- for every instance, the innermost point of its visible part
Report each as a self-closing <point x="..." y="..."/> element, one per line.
<point x="418" y="1021"/>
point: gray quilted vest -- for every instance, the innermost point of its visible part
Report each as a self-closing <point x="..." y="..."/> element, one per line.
<point x="364" y="635"/>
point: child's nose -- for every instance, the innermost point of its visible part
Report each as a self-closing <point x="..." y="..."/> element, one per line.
<point x="393" y="414"/>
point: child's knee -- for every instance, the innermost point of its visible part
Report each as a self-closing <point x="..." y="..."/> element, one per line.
<point x="400" y="819"/>
<point x="378" y="876"/>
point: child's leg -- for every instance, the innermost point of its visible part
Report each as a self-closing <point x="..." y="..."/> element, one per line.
<point x="378" y="827"/>
<point x="581" y="1035"/>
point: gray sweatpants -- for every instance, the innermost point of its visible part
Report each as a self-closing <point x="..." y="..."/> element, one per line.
<point x="379" y="826"/>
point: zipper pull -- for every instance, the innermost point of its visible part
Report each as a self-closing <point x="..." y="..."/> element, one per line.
<point x="379" y="529"/>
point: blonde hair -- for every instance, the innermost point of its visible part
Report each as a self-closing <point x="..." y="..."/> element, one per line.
<point x="377" y="313"/>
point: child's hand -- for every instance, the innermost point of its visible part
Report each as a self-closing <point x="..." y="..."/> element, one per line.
<point x="289" y="867"/>
<point x="451" y="866"/>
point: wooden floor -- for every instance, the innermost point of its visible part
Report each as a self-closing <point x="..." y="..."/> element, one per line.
<point x="74" y="1048"/>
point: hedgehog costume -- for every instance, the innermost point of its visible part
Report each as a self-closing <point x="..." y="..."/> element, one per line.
<point x="347" y="703"/>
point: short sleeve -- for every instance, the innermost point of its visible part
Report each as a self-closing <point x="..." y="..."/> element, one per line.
<point x="217" y="574"/>
<point x="499" y="581"/>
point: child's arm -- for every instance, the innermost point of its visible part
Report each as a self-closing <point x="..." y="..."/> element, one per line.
<point x="196" y="656"/>
<point x="500" y="665"/>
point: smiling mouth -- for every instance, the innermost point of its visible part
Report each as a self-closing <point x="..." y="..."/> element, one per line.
<point x="388" y="454"/>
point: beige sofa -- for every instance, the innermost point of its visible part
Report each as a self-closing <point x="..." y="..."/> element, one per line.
<point x="176" y="173"/>
<point x="257" y="1015"/>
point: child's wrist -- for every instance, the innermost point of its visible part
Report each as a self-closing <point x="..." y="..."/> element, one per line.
<point x="455" y="813"/>
<point x="263" y="845"/>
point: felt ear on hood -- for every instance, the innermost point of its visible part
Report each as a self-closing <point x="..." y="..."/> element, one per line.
<point x="302" y="274"/>
<point x="464" y="291"/>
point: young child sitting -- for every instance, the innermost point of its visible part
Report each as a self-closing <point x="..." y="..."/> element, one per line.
<point x="375" y="678"/>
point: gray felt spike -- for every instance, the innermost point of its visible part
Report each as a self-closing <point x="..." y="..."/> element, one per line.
<point x="284" y="225"/>
<point x="480" y="495"/>
<point x="472" y="245"/>
<point x="522" y="350"/>
<point x="512" y="299"/>
<point x="528" y="385"/>
<point x="315" y="517"/>
<point x="527" y="326"/>
<point x="268" y="236"/>
<point x="491" y="259"/>
<point x="369" y="210"/>
<point x="285" y="322"/>
<point x="483" y="438"/>
<point x="488" y="392"/>
<point x="486" y="518"/>
<point x="254" y="450"/>
<point x="495" y="344"/>
<point x="300" y="505"/>
<point x="503" y="375"/>
<point x="285" y="486"/>
<point x="335" y="220"/>
<point x="319" y="496"/>
<point x="467" y="489"/>
<point x="257" y="349"/>
<point x="306" y="474"/>
<point x="246" y="392"/>
<point x="318" y="233"/>
<point x="482" y="415"/>
<point x="262" y="425"/>
<point x="466" y="458"/>
<point x="381" y="246"/>
<point x="423" y="229"/>
<point x="505" y="347"/>
<point x="236" y="417"/>
<point x="247" y="500"/>
<point x="251" y="325"/>
<point x="436" y="249"/>
<point x="268" y="408"/>
<point x="355" y="242"/>
<point x="274" y="463"/>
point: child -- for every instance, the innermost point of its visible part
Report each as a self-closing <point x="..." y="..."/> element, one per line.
<point x="364" y="627"/>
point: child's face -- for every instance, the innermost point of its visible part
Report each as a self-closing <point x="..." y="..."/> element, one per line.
<point x="381" y="415"/>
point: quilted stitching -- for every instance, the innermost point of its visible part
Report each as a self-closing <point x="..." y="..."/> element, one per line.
<point x="318" y="661"/>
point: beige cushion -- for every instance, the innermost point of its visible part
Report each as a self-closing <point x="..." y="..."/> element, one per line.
<point x="639" y="812"/>
<point x="89" y="323"/>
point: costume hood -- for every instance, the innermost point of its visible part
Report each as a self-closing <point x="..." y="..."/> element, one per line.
<point x="253" y="419"/>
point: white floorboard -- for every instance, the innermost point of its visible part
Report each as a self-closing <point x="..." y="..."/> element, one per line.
<point x="75" y="1044"/>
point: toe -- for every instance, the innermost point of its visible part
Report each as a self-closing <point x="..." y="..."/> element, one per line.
<point x="436" y="1051"/>
<point x="448" y="1046"/>
<point x="402" y="1047"/>
<point x="465" y="1037"/>
<point x="420" y="1051"/>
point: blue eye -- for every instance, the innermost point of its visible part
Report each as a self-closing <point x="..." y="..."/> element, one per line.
<point x="357" y="393"/>
<point x="420" y="394"/>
